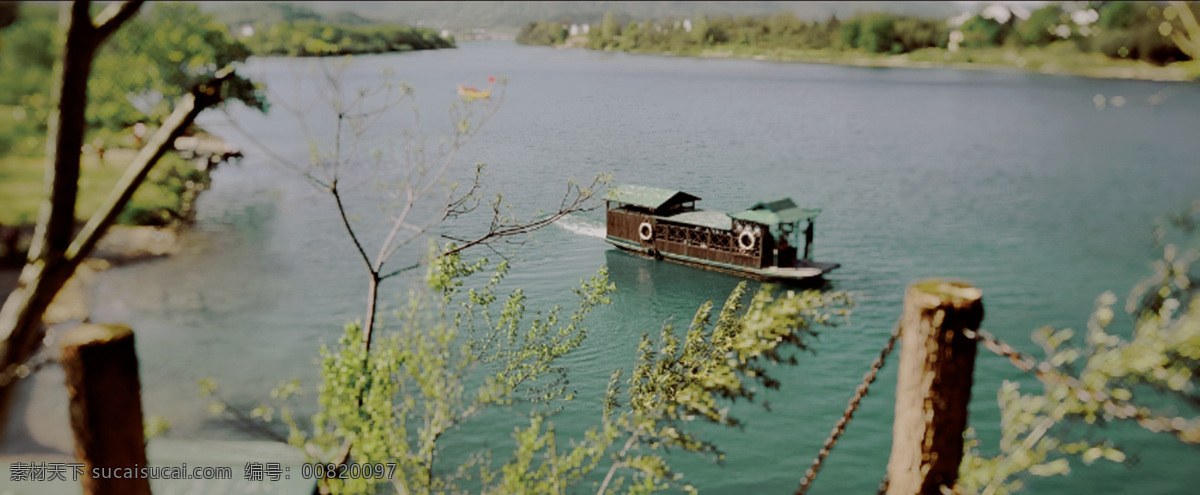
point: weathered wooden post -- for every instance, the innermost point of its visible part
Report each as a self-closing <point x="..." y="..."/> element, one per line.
<point x="101" y="369"/>
<point x="934" y="386"/>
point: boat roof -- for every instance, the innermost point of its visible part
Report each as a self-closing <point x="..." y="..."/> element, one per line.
<point x="648" y="197"/>
<point x="703" y="218"/>
<point x="776" y="211"/>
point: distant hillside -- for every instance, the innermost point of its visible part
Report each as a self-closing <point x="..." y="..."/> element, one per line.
<point x="512" y="15"/>
<point x="496" y="14"/>
<point x="237" y="13"/>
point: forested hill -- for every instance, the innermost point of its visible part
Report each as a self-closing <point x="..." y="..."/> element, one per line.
<point x="271" y="13"/>
<point x="292" y="29"/>
<point x="513" y="15"/>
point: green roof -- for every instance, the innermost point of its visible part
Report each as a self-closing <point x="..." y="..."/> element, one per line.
<point x="777" y="211"/>
<point x="704" y="218"/>
<point x="757" y="216"/>
<point x="647" y="197"/>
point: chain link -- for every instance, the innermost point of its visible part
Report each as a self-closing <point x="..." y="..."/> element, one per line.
<point x="1024" y="362"/>
<point x="18" y="371"/>
<point x="840" y="427"/>
<point x="1045" y="372"/>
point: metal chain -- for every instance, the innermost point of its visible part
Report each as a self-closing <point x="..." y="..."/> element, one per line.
<point x="840" y="426"/>
<point x="18" y="371"/>
<point x="1121" y="409"/>
<point x="1021" y="361"/>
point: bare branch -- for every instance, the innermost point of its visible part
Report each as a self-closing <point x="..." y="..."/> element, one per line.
<point x="337" y="196"/>
<point x="276" y="157"/>
<point x="399" y="271"/>
<point x="574" y="200"/>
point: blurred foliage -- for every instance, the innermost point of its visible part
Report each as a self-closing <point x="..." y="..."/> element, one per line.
<point x="27" y="57"/>
<point x="1137" y="32"/>
<point x="1109" y="378"/>
<point x="1038" y="29"/>
<point x="877" y="34"/>
<point x="311" y="38"/>
<point x="163" y="198"/>
<point x="979" y="32"/>
<point x="542" y="33"/>
<point x="158" y="57"/>
<point x="140" y="71"/>
<point x="1121" y="30"/>
<point x="455" y="352"/>
<point x="268" y="13"/>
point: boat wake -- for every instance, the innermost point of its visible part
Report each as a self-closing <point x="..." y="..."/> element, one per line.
<point x="581" y="226"/>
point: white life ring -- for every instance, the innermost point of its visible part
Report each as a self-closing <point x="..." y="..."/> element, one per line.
<point x="746" y="240"/>
<point x="645" y="231"/>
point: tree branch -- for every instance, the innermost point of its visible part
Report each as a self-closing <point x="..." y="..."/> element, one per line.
<point x="112" y="17"/>
<point x="337" y="197"/>
<point x="190" y="106"/>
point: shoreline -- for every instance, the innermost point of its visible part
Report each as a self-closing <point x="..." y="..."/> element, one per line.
<point x="1150" y="73"/>
<point x="1041" y="61"/>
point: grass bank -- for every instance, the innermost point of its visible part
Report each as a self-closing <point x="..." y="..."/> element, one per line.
<point x="1059" y="59"/>
<point x="163" y="201"/>
<point x="159" y="200"/>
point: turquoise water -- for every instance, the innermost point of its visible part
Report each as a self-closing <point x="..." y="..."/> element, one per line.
<point x="1015" y="182"/>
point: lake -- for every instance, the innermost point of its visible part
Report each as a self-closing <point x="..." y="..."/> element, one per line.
<point x="1019" y="183"/>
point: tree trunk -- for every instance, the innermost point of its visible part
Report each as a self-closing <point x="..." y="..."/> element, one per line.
<point x="64" y="137"/>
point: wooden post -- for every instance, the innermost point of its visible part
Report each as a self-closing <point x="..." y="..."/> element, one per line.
<point x="934" y="385"/>
<point x="101" y="368"/>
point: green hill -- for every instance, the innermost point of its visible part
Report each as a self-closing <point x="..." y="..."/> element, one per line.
<point x="512" y="15"/>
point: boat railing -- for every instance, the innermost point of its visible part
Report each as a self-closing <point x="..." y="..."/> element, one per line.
<point x="705" y="238"/>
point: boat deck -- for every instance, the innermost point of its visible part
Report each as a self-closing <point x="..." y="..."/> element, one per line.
<point x="804" y="270"/>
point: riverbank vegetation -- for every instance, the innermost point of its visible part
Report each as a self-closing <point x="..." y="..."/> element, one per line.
<point x="1114" y="39"/>
<point x="137" y="75"/>
<point x="310" y="38"/>
<point x="296" y="30"/>
<point x="158" y="202"/>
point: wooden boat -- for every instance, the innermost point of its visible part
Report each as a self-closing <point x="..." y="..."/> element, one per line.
<point x="468" y="93"/>
<point x="760" y="242"/>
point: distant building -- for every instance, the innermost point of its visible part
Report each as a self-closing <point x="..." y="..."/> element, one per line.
<point x="586" y="27"/>
<point x="445" y="33"/>
<point x="956" y="37"/>
<point x="687" y="25"/>
<point x="247" y="30"/>
<point x="574" y="30"/>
